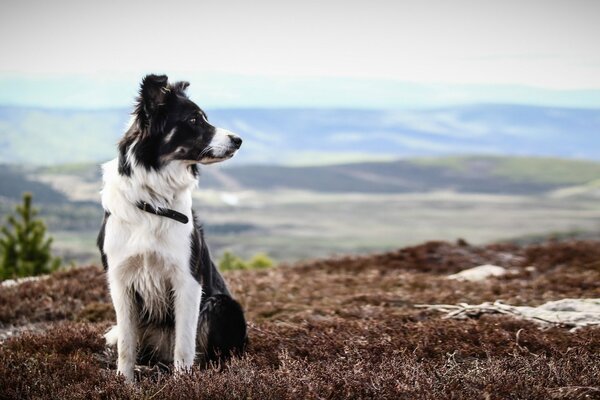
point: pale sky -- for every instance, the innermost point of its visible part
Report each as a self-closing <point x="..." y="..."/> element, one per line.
<point x="545" y="44"/>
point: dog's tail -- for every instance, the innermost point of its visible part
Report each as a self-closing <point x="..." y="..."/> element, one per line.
<point x="221" y="329"/>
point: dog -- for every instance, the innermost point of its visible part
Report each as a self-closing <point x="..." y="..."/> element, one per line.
<point x="172" y="305"/>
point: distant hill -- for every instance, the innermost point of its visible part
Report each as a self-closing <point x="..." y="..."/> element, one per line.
<point x="469" y="174"/>
<point x="297" y="212"/>
<point x="313" y="136"/>
<point x="472" y="174"/>
<point x="15" y="182"/>
<point x="43" y="136"/>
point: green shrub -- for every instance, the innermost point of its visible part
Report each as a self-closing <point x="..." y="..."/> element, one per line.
<point x="24" y="247"/>
<point x="230" y="261"/>
<point x="260" y="261"/>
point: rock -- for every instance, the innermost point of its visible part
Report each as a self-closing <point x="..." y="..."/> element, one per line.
<point x="479" y="273"/>
<point x="19" y="281"/>
<point x="571" y="312"/>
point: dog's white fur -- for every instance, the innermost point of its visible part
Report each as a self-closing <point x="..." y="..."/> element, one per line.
<point x="151" y="255"/>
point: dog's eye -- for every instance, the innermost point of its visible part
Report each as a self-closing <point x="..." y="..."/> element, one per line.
<point x="192" y="121"/>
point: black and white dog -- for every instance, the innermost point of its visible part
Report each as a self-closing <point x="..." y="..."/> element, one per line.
<point x="171" y="302"/>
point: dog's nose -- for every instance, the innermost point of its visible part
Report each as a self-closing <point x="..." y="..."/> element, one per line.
<point x="237" y="141"/>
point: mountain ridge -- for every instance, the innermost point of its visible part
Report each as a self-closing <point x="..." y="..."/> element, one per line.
<point x="469" y="174"/>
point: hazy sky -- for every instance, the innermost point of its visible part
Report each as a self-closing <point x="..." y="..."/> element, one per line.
<point x="545" y="44"/>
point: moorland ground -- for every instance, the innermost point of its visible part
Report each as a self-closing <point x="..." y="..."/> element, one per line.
<point x="331" y="328"/>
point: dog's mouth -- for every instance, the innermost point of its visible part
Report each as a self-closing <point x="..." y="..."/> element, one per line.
<point x="214" y="158"/>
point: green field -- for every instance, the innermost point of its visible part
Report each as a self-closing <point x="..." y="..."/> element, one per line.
<point x="522" y="169"/>
<point x="291" y="225"/>
<point x="520" y="198"/>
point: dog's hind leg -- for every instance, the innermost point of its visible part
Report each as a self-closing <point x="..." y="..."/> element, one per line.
<point x="112" y="336"/>
<point x="221" y="328"/>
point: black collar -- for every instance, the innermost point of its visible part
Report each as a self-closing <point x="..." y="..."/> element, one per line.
<point x="163" y="212"/>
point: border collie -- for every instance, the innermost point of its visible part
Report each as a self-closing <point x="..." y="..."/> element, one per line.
<point x="171" y="302"/>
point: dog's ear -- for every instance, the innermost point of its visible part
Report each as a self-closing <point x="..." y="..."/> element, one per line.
<point x="153" y="91"/>
<point x="180" y="86"/>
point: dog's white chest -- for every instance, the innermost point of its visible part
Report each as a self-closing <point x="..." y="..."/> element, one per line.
<point x="149" y="234"/>
<point x="150" y="277"/>
<point x="131" y="232"/>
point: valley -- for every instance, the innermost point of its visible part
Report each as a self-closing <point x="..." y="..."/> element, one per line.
<point x="294" y="213"/>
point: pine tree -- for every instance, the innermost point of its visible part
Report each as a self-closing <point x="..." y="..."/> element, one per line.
<point x="24" y="248"/>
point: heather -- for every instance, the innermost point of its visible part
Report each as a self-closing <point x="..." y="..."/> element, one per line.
<point x="343" y="327"/>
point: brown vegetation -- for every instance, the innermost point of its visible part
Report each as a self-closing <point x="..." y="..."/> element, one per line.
<point x="336" y="328"/>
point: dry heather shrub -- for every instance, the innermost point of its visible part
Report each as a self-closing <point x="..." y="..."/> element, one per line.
<point x="339" y="328"/>
<point x="322" y="361"/>
<point x="62" y="296"/>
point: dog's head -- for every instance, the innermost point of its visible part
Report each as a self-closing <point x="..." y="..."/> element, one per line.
<point x="167" y="126"/>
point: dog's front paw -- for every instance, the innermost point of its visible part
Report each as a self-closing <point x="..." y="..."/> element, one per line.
<point x="182" y="367"/>
<point x="183" y="362"/>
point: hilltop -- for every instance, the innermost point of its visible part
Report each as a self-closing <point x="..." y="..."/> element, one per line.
<point x="333" y="328"/>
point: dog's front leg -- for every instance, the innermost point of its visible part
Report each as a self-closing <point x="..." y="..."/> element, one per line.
<point x="187" y="308"/>
<point x="127" y="326"/>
